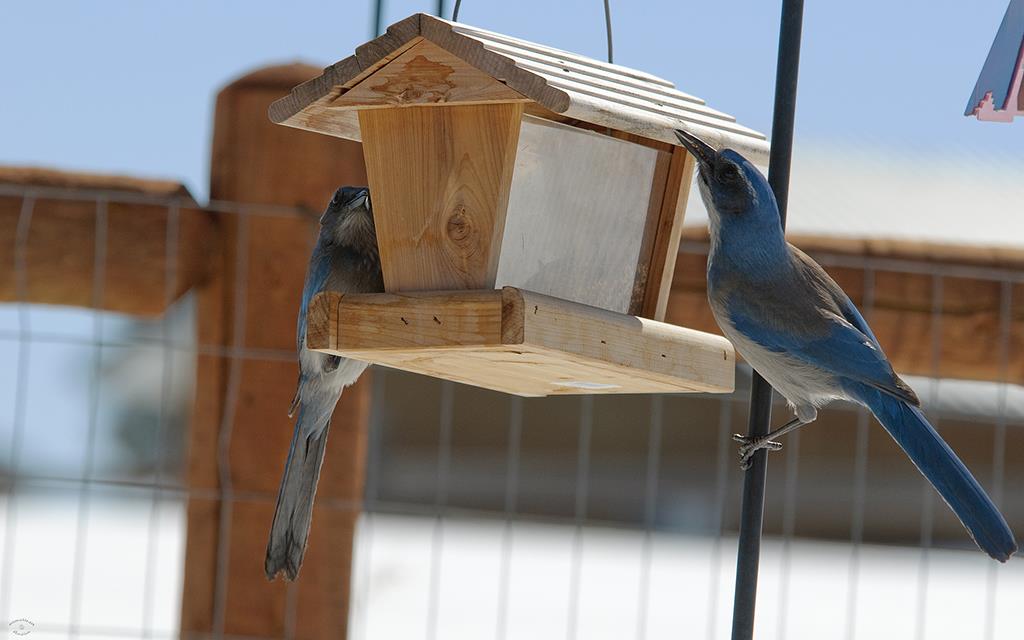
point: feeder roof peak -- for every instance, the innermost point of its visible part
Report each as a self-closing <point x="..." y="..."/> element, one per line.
<point x="483" y="66"/>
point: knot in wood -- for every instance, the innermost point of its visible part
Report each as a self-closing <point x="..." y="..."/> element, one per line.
<point x="460" y="227"/>
<point x="422" y="81"/>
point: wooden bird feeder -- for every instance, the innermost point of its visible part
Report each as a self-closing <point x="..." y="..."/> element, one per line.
<point x="528" y="205"/>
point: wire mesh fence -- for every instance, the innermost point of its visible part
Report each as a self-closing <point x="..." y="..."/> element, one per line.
<point x="485" y="515"/>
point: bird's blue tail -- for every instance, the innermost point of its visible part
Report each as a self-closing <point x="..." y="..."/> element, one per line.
<point x="954" y="482"/>
<point x="294" y="512"/>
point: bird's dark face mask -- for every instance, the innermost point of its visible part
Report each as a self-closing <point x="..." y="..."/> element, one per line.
<point x="346" y="200"/>
<point x="721" y="177"/>
<point x="727" y="186"/>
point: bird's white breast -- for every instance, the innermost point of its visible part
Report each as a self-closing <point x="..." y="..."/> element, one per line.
<point x="804" y="386"/>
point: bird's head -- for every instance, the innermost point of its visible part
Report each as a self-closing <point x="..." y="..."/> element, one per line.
<point x="733" y="190"/>
<point x="348" y="219"/>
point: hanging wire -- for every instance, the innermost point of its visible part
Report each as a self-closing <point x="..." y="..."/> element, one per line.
<point x="608" y="29"/>
<point x="378" y="19"/>
<point x="608" y="35"/>
<point x="455" y="10"/>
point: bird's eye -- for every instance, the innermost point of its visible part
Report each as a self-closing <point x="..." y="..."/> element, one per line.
<point x="729" y="172"/>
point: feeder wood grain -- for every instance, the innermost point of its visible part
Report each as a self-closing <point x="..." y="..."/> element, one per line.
<point x="426" y="75"/>
<point x="440" y="180"/>
<point x="440" y="108"/>
<point x="572" y="86"/>
<point x="520" y="342"/>
<point x="665" y="236"/>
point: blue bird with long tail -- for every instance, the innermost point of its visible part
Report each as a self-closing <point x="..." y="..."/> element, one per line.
<point x="801" y="332"/>
<point x="344" y="259"/>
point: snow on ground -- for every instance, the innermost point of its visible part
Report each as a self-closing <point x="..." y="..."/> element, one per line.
<point x="559" y="581"/>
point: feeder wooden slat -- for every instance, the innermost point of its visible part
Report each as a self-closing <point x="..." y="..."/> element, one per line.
<point x="564" y="57"/>
<point x="642" y="104"/>
<point x="440" y="182"/>
<point x="520" y="342"/>
<point x="666" y="242"/>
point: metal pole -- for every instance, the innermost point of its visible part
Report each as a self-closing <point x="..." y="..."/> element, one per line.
<point x="378" y="18"/>
<point x="752" y="514"/>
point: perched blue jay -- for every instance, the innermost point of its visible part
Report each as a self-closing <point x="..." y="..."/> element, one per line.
<point x="345" y="259"/>
<point x="797" y="328"/>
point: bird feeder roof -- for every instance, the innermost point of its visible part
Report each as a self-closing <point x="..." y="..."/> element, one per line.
<point x="556" y="84"/>
<point x="999" y="92"/>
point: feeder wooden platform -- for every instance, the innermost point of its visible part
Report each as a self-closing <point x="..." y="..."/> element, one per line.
<point x="520" y="342"/>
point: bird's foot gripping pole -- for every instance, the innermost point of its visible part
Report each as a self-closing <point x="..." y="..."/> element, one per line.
<point x="750" y="445"/>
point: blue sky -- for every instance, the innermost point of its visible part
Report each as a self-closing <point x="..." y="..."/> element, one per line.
<point x="128" y="87"/>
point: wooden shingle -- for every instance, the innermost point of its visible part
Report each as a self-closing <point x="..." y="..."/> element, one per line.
<point x="560" y="85"/>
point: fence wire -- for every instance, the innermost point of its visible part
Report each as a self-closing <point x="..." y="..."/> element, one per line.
<point x="667" y="488"/>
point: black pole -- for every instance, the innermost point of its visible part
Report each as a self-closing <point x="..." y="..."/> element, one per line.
<point x="752" y="510"/>
<point x="378" y="18"/>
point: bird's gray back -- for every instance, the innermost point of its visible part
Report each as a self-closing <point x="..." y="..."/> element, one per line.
<point x="794" y="294"/>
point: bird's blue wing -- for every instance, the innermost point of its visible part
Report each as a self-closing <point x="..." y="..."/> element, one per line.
<point x="852" y="315"/>
<point x="832" y="344"/>
<point x="316" y="278"/>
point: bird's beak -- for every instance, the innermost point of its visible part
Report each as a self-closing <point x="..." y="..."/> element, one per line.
<point x="363" y="199"/>
<point x="699" y="149"/>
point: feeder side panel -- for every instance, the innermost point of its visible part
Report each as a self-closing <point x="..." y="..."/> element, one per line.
<point x="439" y="179"/>
<point x="577" y="215"/>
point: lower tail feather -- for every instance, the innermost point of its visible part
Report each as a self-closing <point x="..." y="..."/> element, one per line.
<point x="294" y="512"/>
<point x="954" y="482"/>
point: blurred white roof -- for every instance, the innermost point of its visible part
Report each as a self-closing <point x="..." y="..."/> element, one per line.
<point x="864" y="193"/>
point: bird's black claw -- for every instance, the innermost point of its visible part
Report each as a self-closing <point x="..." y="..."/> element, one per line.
<point x="749" y="446"/>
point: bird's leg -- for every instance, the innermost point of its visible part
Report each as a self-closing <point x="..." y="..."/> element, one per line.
<point x="748" y="445"/>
